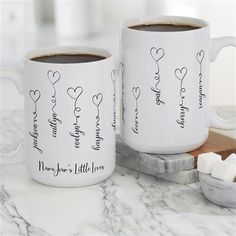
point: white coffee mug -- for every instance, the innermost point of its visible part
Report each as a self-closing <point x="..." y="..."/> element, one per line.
<point x="69" y="117"/>
<point x="165" y="85"/>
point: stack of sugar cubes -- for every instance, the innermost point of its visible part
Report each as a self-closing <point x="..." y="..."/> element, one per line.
<point x="212" y="164"/>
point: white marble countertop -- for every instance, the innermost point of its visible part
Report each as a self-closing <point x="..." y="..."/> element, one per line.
<point x="128" y="203"/>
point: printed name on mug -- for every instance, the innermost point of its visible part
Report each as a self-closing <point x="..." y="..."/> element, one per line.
<point x="180" y="75"/>
<point x="75" y="93"/>
<point x="136" y="93"/>
<point x="122" y="70"/>
<point x="113" y="79"/>
<point x="35" y="96"/>
<point x="200" y="57"/>
<point x="157" y="55"/>
<point x="54" y="77"/>
<point x="97" y="100"/>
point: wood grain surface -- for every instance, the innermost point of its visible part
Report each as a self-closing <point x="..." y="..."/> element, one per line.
<point x="217" y="143"/>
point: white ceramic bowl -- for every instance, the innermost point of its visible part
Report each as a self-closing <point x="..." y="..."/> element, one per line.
<point x="220" y="192"/>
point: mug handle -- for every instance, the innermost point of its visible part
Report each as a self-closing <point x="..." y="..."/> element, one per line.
<point x="217" y="44"/>
<point x="15" y="76"/>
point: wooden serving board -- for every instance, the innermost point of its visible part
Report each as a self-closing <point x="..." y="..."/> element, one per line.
<point x="217" y="143"/>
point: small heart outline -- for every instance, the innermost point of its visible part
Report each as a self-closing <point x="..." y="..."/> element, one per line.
<point x="75" y="91"/>
<point x="35" y="95"/>
<point x="157" y="54"/>
<point x="97" y="99"/>
<point x="181" y="73"/>
<point x="200" y="56"/>
<point x="53" y="77"/>
<point x="136" y="92"/>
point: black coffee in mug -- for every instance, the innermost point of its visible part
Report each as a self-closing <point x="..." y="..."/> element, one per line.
<point x="68" y="58"/>
<point x="162" y="27"/>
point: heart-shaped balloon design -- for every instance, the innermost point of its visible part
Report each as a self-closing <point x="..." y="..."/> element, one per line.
<point x="35" y="95"/>
<point x="113" y="76"/>
<point x="200" y="56"/>
<point x="181" y="73"/>
<point x="97" y="99"/>
<point x="53" y="76"/>
<point x="75" y="92"/>
<point x="77" y="112"/>
<point x="157" y="54"/>
<point x="136" y="92"/>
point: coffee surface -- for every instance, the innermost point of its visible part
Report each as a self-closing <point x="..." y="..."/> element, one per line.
<point x="164" y="27"/>
<point x="68" y="58"/>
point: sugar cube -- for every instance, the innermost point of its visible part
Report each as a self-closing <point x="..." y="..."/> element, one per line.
<point x="231" y="159"/>
<point x="223" y="170"/>
<point x="206" y="161"/>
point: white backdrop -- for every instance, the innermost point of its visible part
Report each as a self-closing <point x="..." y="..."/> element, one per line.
<point x="14" y="42"/>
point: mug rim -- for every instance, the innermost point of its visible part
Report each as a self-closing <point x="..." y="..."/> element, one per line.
<point x="168" y="19"/>
<point x="69" y="50"/>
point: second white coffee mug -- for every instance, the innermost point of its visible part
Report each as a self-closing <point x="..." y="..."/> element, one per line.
<point x="165" y="85"/>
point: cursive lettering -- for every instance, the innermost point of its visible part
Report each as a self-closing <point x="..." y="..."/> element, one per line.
<point x="136" y="93"/>
<point x="122" y="70"/>
<point x="135" y="128"/>
<point x="200" y="57"/>
<point x="76" y="135"/>
<point x="157" y="91"/>
<point x="157" y="55"/>
<point x="70" y="168"/>
<point x="53" y="124"/>
<point x="75" y="93"/>
<point x="180" y="75"/>
<point x="53" y="78"/>
<point x="113" y="124"/>
<point x="35" y="95"/>
<point x="97" y="99"/>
